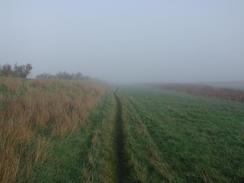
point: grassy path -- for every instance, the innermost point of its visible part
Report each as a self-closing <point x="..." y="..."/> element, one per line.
<point x="95" y="153"/>
<point x="145" y="160"/>
<point x="83" y="156"/>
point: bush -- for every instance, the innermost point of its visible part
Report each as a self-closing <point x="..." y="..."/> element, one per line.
<point x="45" y="76"/>
<point x="63" y="75"/>
<point x="21" y="71"/>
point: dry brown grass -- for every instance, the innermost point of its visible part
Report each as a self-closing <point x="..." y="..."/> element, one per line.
<point x="34" y="111"/>
<point x="206" y="91"/>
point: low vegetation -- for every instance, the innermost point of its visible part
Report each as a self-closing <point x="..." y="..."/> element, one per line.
<point x="63" y="75"/>
<point x="175" y="137"/>
<point x="32" y="113"/>
<point x="71" y="129"/>
<point x="235" y="94"/>
<point x="86" y="155"/>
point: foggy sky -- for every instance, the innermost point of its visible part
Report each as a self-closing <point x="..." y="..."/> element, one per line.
<point x="129" y="40"/>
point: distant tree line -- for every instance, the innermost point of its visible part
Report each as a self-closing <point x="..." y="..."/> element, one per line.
<point x="21" y="71"/>
<point x="63" y="75"/>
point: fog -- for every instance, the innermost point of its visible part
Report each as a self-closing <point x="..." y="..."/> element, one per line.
<point x="127" y="41"/>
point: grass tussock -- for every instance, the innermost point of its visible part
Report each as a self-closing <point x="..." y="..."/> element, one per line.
<point x="34" y="111"/>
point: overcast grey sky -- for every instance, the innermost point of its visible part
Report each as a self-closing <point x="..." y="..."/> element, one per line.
<point x="127" y="40"/>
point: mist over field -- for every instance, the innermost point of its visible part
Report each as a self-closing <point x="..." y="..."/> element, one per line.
<point x="109" y="91"/>
<point x="126" y="41"/>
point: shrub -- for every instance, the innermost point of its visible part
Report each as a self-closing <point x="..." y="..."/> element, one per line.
<point x="21" y="71"/>
<point x="63" y="75"/>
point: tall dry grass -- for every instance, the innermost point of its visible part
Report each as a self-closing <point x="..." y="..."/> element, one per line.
<point x="34" y="111"/>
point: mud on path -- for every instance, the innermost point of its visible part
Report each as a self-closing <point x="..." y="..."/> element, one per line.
<point x="119" y="142"/>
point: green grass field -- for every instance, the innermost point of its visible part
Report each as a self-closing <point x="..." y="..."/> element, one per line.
<point x="180" y="138"/>
<point x="138" y="134"/>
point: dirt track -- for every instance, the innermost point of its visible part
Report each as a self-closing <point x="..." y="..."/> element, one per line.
<point x="119" y="142"/>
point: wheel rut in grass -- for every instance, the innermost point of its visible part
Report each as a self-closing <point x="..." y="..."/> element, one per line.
<point x="119" y="142"/>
